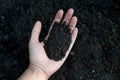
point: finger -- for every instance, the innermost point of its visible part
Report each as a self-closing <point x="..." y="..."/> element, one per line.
<point x="74" y="35"/>
<point x="73" y="23"/>
<point x="57" y="18"/>
<point x="68" y="16"/>
<point x="36" y="32"/>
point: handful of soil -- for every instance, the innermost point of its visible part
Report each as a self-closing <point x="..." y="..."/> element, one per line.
<point x="58" y="42"/>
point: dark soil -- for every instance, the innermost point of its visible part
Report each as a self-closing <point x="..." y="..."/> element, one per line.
<point x="58" y="42"/>
<point x="96" y="52"/>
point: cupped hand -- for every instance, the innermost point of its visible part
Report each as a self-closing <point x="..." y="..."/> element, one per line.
<point x="37" y="53"/>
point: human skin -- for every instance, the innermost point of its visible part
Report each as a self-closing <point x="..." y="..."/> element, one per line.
<point x="41" y="67"/>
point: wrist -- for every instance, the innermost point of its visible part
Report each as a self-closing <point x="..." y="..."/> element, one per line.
<point x="32" y="73"/>
<point x="42" y="75"/>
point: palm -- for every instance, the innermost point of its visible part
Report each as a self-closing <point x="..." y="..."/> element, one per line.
<point x="40" y="59"/>
<point x="38" y="55"/>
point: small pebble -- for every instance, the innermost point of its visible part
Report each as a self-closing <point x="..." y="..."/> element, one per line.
<point x="2" y="17"/>
<point x="72" y="53"/>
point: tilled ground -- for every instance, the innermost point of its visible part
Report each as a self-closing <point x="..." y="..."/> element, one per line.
<point x="96" y="53"/>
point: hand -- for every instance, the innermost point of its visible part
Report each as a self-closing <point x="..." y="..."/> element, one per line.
<point x="38" y="57"/>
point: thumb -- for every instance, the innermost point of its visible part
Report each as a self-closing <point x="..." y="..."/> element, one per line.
<point x="36" y="32"/>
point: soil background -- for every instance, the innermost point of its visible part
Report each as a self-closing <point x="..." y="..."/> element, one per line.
<point x="96" y="53"/>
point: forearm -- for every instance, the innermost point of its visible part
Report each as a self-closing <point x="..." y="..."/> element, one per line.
<point x="33" y="74"/>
